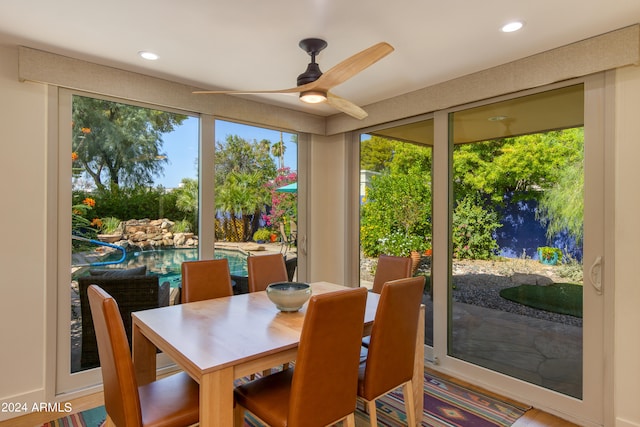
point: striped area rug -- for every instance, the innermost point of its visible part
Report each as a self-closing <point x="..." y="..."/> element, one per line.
<point x="445" y="405"/>
<point x="90" y="418"/>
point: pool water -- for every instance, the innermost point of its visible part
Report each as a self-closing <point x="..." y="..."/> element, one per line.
<point x="167" y="263"/>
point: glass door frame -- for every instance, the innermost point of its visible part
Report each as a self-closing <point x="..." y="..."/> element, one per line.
<point x="596" y="404"/>
<point x="590" y="409"/>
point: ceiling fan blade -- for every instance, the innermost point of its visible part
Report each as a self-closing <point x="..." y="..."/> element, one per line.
<point x="297" y="89"/>
<point x="345" y="106"/>
<point x="353" y="65"/>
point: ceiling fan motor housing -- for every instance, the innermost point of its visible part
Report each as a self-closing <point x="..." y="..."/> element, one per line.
<point x="312" y="47"/>
<point x="310" y="75"/>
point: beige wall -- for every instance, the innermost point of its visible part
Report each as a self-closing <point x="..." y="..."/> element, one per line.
<point x="22" y="254"/>
<point x="627" y="248"/>
<point x="327" y="209"/>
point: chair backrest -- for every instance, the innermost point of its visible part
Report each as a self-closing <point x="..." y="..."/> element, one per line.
<point x="325" y="379"/>
<point x="392" y="347"/>
<point x="121" y="398"/>
<point x="134" y="293"/>
<point x="283" y="234"/>
<point x="205" y="279"/>
<point x="390" y="268"/>
<point x="266" y="269"/>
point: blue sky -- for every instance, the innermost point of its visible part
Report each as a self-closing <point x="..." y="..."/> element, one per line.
<point x="181" y="147"/>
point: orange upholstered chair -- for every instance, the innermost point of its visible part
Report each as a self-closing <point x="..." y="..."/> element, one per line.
<point x="391" y="352"/>
<point x="205" y="279"/>
<point x="168" y="402"/>
<point x="390" y="268"/>
<point x="322" y="388"/>
<point x="265" y="269"/>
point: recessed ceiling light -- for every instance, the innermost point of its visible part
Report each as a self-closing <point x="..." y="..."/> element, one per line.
<point x="497" y="118"/>
<point x="512" y="26"/>
<point x="148" y="55"/>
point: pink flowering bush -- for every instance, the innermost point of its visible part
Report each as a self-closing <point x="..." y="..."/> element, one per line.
<point x="284" y="206"/>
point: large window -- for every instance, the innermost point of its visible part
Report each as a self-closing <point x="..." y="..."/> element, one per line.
<point x="256" y="177"/>
<point x="134" y="203"/>
<point x="135" y="188"/>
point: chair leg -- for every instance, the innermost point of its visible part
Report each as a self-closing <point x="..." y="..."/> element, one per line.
<point x="108" y="422"/>
<point x="238" y="416"/>
<point x="373" y="417"/>
<point x="409" y="404"/>
<point x="350" y="421"/>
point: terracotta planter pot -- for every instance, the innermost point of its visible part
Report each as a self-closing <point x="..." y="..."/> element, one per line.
<point x="415" y="261"/>
<point x="109" y="238"/>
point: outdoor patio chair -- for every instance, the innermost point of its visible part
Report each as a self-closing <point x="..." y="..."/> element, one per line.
<point x="172" y="401"/>
<point x="287" y="241"/>
<point x="391" y="352"/>
<point x="321" y="389"/>
<point x="135" y="293"/>
<point x="291" y="264"/>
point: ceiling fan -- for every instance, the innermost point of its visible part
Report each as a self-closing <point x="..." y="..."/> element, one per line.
<point x="314" y="86"/>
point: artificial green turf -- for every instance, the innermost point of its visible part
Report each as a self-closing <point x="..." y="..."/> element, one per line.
<point x="563" y="298"/>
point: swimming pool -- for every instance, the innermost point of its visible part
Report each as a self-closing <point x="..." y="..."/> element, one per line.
<point x="166" y="263"/>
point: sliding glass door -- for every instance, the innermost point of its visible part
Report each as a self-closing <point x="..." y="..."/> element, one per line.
<point x="515" y="194"/>
<point x="517" y="238"/>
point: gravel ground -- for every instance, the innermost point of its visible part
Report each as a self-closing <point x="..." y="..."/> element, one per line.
<point x="484" y="291"/>
<point x="479" y="283"/>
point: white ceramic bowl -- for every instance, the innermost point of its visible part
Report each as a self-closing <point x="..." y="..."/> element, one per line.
<point x="289" y="296"/>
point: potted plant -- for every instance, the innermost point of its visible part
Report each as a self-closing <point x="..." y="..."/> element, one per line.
<point x="407" y="245"/>
<point x="261" y="235"/>
<point x="549" y="255"/>
<point x="110" y="230"/>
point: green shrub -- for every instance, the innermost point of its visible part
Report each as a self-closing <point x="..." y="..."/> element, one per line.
<point x="473" y="230"/>
<point x="396" y="207"/>
<point x="261" y="234"/>
<point x="399" y="244"/>
<point x="135" y="203"/>
<point x="109" y="225"/>
<point x="182" y="226"/>
<point x="571" y="269"/>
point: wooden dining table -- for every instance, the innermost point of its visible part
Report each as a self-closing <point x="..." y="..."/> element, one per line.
<point x="219" y="340"/>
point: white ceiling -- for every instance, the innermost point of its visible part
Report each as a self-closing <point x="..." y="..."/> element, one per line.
<point x="253" y="44"/>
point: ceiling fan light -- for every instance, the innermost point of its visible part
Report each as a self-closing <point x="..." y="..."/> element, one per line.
<point x="313" y="96"/>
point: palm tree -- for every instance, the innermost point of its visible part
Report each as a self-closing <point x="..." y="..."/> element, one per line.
<point x="278" y="149"/>
<point x="243" y="195"/>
